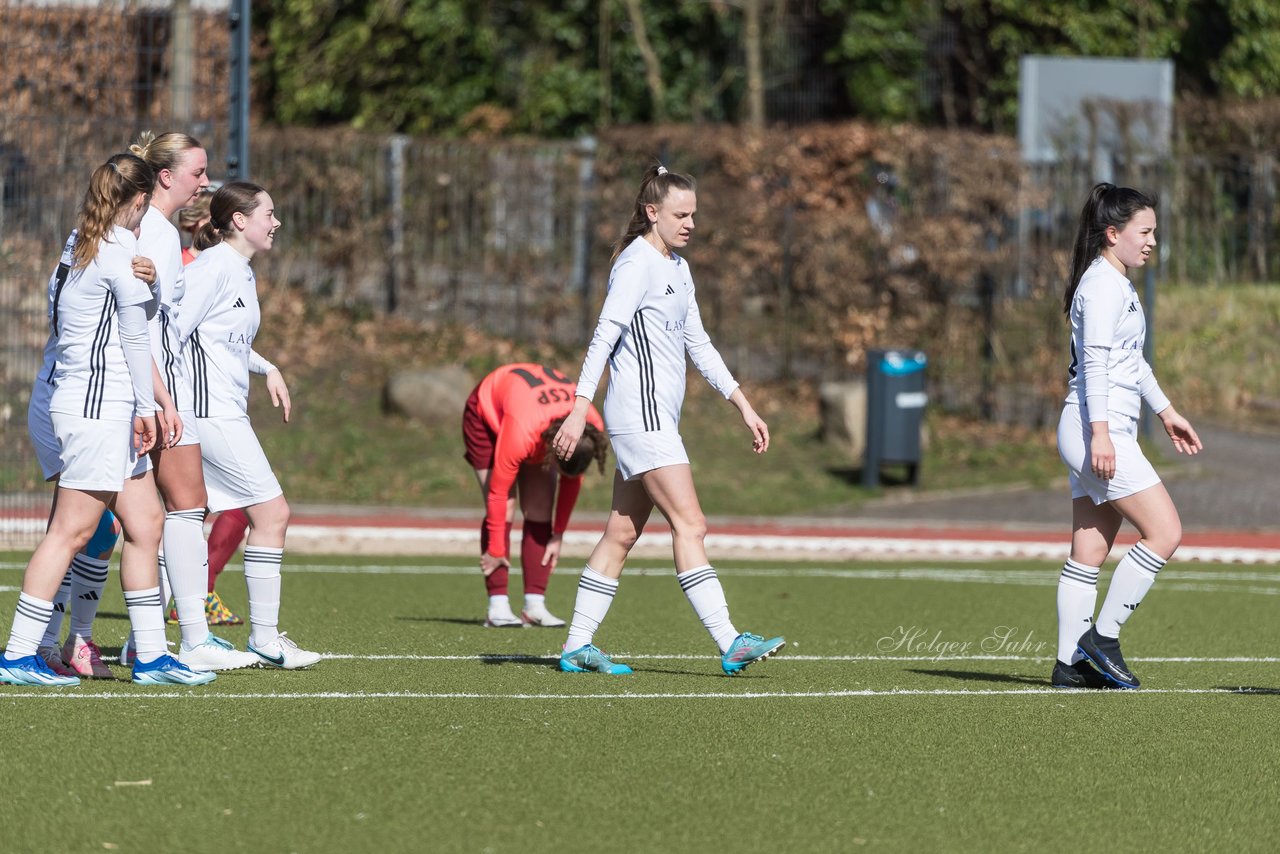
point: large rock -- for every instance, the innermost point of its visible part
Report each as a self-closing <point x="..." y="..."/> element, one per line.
<point x="432" y="395"/>
<point x="842" y="413"/>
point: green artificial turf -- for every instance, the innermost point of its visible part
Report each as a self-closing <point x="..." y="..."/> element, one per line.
<point x="909" y="712"/>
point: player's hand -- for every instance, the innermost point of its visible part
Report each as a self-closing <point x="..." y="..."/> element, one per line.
<point x="759" y="430"/>
<point x="144" y="269"/>
<point x="490" y="564"/>
<point x="279" y="392"/>
<point x="1102" y="455"/>
<point x="552" y="553"/>
<point x="570" y="432"/>
<point x="144" y="433"/>
<point x="1185" y="440"/>
<point x="170" y="423"/>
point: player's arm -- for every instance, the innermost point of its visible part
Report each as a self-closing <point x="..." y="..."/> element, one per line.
<point x="1101" y="310"/>
<point x="276" y="386"/>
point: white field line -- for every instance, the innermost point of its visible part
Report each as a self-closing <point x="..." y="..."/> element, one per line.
<point x="147" y="695"/>
<point x="1177" y="580"/>
<point x="785" y="657"/>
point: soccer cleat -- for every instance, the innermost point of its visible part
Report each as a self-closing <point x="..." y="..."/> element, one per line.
<point x="588" y="659"/>
<point x="53" y="658"/>
<point x="214" y="653"/>
<point x="216" y="613"/>
<point x="32" y="670"/>
<point x="1078" y="675"/>
<point x="167" y="670"/>
<point x="83" y="656"/>
<point x="503" y="619"/>
<point x="284" y="653"/>
<point x="747" y="649"/>
<point x="538" y="615"/>
<point x="1104" y="653"/>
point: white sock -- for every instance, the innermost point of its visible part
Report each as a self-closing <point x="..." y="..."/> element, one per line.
<point x="29" y="621"/>
<point x="262" y="577"/>
<point x="187" y="559"/>
<point x="1133" y="577"/>
<point x="146" y="616"/>
<point x="500" y="604"/>
<point x="1077" y="597"/>
<point x="163" y="566"/>
<point x="702" y="586"/>
<point x="595" y="595"/>
<point x="54" y="630"/>
<point x="88" y="579"/>
<point x="535" y="600"/>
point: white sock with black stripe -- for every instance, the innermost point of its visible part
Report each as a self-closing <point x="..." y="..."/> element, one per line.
<point x="187" y="559"/>
<point x="1133" y="577"/>
<point x="595" y="595"/>
<point x="54" y="630"/>
<point x="146" y="616"/>
<point x="702" y="586"/>
<point x="29" y="621"/>
<point x="88" y="580"/>
<point x="1077" y="597"/>
<point x="262" y="577"/>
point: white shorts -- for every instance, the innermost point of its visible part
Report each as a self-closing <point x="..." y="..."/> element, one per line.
<point x="1133" y="472"/>
<point x="96" y="455"/>
<point x="236" y="471"/>
<point x="40" y="429"/>
<point x="638" y="453"/>
<point x="190" y="429"/>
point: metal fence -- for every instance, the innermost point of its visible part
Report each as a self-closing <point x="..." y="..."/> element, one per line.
<point x="79" y="81"/>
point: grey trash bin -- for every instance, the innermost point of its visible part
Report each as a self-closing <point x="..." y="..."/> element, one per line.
<point x="895" y="408"/>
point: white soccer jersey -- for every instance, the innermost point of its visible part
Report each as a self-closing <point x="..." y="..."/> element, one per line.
<point x="42" y="388"/>
<point x="1107" y="318"/>
<point x="91" y="376"/>
<point x="649" y="321"/>
<point x="215" y="326"/>
<point x="159" y="240"/>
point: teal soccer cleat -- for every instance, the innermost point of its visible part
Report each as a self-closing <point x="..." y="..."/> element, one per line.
<point x="747" y="649"/>
<point x="32" y="670"/>
<point x="588" y="659"/>
<point x="167" y="670"/>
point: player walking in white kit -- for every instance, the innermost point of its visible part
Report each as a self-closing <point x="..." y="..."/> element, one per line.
<point x="180" y="164"/>
<point x="216" y="327"/>
<point x="103" y="409"/>
<point x="1111" y="480"/>
<point x="649" y="322"/>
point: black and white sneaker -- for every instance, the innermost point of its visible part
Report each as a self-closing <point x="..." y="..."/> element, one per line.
<point x="1078" y="675"/>
<point x="1104" y="653"/>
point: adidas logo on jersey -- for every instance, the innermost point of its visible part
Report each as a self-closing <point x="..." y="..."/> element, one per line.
<point x="670" y="290"/>
<point x="239" y="303"/>
<point x="1133" y="306"/>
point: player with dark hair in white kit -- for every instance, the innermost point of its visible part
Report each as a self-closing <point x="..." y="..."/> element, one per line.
<point x="103" y="409"/>
<point x="1111" y="480"/>
<point x="216" y="327"/>
<point x="180" y="164"/>
<point x="650" y="320"/>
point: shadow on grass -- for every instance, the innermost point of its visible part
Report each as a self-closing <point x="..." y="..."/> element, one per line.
<point x="975" y="676"/>
<point x="457" y="621"/>
<point x="890" y="475"/>
<point x="1248" y="690"/>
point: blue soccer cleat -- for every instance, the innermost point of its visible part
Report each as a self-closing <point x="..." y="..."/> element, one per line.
<point x="32" y="670"/>
<point x="747" y="649"/>
<point x="588" y="659"/>
<point x="167" y="670"/>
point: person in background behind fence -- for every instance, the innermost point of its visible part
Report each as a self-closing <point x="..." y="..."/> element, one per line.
<point x="650" y="320"/>
<point x="1111" y="480"/>
<point x="103" y="410"/>
<point x="507" y="425"/>
<point x="218" y="323"/>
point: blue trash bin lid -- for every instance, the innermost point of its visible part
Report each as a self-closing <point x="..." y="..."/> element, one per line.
<point x="897" y="363"/>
